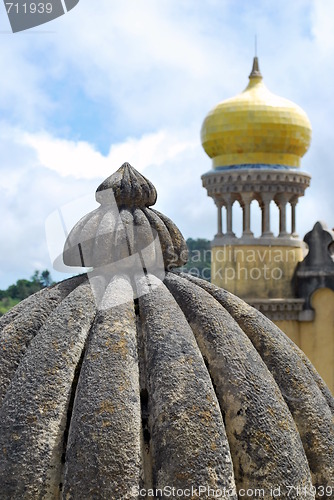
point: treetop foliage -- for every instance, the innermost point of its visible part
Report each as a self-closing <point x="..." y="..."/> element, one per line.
<point x="23" y="288"/>
<point x="199" y="261"/>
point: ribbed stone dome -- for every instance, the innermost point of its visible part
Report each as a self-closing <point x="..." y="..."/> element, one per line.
<point x="256" y="127"/>
<point x="125" y="225"/>
<point x="156" y="383"/>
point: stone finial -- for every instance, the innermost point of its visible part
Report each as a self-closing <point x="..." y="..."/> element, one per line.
<point x="129" y="187"/>
<point x="124" y="226"/>
<point x="317" y="269"/>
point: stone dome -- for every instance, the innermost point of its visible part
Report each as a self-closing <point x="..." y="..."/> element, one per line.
<point x="158" y="382"/>
<point x="124" y="226"/>
<point x="256" y="127"/>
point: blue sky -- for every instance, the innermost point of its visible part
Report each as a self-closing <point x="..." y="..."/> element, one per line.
<point x="132" y="81"/>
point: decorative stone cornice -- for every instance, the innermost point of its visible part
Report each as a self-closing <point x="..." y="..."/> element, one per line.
<point x="221" y="240"/>
<point x="265" y="184"/>
<point x="280" y="309"/>
<point x="236" y="181"/>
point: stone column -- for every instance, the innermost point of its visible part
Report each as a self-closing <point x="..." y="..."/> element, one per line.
<point x="229" y="222"/>
<point x="219" y="205"/>
<point x="261" y="205"/>
<point x="266" y="199"/>
<point x="246" y="201"/>
<point x="293" y="203"/>
<point x="281" y="201"/>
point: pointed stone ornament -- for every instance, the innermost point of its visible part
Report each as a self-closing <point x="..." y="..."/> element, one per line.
<point x="125" y="225"/>
<point x="317" y="269"/>
<point x="129" y="187"/>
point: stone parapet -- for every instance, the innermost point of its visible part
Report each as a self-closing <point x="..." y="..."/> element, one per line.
<point x="246" y="180"/>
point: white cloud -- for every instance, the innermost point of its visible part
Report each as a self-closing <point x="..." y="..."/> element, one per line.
<point x="50" y="172"/>
<point x="322" y="29"/>
<point x="67" y="158"/>
<point x="82" y="161"/>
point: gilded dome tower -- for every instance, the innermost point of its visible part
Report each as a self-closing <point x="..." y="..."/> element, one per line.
<point x="256" y="141"/>
<point x="256" y="128"/>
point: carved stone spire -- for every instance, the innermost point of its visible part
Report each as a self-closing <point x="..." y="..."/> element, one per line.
<point x="317" y="269"/>
<point x="129" y="188"/>
<point x="124" y="226"/>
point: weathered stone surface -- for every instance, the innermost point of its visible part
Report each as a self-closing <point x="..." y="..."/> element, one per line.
<point x="129" y="187"/>
<point x="308" y="399"/>
<point x="186" y="385"/>
<point x="187" y="435"/>
<point x="103" y="456"/>
<point x="180" y="249"/>
<point x="265" y="446"/>
<point x="20" y="325"/>
<point x="33" y="414"/>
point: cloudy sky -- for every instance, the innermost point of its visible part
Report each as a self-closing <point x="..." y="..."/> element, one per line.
<point x="132" y="81"/>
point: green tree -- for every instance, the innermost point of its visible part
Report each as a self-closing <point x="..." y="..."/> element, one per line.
<point x="7" y="303"/>
<point x="22" y="289"/>
<point x="199" y="261"/>
<point x="46" y="278"/>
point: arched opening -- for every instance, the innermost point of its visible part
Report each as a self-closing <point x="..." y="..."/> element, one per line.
<point x="274" y="218"/>
<point x="256" y="218"/>
<point x="237" y="219"/>
<point x="223" y="219"/>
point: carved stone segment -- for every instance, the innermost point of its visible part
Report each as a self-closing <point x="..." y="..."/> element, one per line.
<point x="79" y="245"/>
<point x="17" y="334"/>
<point x="144" y="235"/>
<point x="129" y="187"/>
<point x="21" y="308"/>
<point x="180" y="256"/>
<point x="308" y="399"/>
<point x="160" y="228"/>
<point x="103" y="458"/>
<point x="265" y="446"/>
<point x="189" y="444"/>
<point x="31" y="439"/>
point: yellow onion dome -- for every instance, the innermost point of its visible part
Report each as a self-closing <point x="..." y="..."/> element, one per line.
<point x="256" y="127"/>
